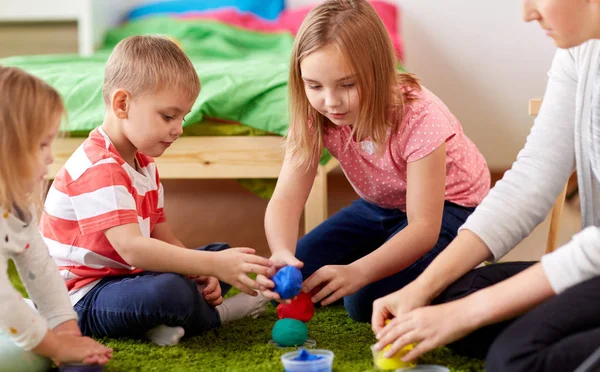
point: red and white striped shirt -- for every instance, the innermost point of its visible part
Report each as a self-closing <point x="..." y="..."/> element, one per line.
<point x="94" y="191"/>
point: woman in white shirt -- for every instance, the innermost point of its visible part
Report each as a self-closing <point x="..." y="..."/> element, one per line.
<point x="523" y="316"/>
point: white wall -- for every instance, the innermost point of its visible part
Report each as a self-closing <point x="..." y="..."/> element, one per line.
<point x="483" y="61"/>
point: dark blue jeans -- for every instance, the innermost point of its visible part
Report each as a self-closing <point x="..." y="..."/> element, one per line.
<point x="130" y="306"/>
<point x="556" y="335"/>
<point x="358" y="230"/>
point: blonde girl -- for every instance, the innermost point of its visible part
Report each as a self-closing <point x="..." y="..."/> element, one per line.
<point x="417" y="175"/>
<point x="30" y="116"/>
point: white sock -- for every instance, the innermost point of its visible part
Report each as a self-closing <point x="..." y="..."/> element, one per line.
<point x="165" y="336"/>
<point x="241" y="306"/>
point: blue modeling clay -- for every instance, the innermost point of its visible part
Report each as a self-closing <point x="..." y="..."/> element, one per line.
<point x="288" y="282"/>
<point x="305" y="355"/>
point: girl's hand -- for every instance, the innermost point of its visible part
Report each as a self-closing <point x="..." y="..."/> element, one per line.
<point x="235" y="264"/>
<point x="69" y="348"/>
<point x="280" y="259"/>
<point x="429" y="327"/>
<point x="69" y="327"/>
<point x="336" y="281"/>
<point x="78" y="349"/>
<point x="210" y="289"/>
<point x="396" y="304"/>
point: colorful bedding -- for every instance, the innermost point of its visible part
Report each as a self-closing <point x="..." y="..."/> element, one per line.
<point x="289" y="20"/>
<point x="243" y="73"/>
<point x="242" y="61"/>
<point x="267" y="9"/>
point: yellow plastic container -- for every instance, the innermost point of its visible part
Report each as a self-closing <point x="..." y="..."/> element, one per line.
<point x="393" y="363"/>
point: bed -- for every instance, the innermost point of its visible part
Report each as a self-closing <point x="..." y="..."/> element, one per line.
<point x="236" y="126"/>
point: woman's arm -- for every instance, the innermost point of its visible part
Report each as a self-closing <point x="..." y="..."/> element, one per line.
<point x="429" y="326"/>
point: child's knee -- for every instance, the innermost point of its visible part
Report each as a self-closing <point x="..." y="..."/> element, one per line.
<point x="359" y="307"/>
<point x="172" y="294"/>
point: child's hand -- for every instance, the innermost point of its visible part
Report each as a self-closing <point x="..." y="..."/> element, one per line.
<point x="235" y="265"/>
<point x="69" y="327"/>
<point x="79" y="349"/>
<point x="210" y="289"/>
<point x="280" y="259"/>
<point x="285" y="258"/>
<point x="336" y="281"/>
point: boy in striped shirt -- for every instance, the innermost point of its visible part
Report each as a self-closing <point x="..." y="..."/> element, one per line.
<point x="104" y="222"/>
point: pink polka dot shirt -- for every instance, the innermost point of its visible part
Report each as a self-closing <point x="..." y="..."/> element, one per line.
<point x="381" y="178"/>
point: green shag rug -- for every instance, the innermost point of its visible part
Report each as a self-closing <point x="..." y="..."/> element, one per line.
<point x="244" y="346"/>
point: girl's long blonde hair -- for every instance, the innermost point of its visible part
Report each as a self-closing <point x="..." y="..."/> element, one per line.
<point x="354" y="27"/>
<point x="27" y="105"/>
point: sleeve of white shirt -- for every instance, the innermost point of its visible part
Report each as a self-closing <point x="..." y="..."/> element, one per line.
<point x="524" y="196"/>
<point x="43" y="282"/>
<point x="24" y="325"/>
<point x="574" y="262"/>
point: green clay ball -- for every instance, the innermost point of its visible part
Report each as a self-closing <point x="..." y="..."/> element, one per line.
<point x="15" y="359"/>
<point x="289" y="332"/>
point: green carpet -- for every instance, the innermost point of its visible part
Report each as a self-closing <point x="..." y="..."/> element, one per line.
<point x="243" y="346"/>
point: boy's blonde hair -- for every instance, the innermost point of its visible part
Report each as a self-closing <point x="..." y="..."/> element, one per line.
<point x="146" y="64"/>
<point x="27" y="105"/>
<point x="356" y="30"/>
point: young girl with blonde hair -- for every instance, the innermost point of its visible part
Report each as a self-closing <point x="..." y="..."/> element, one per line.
<point x="417" y="175"/>
<point x="30" y="116"/>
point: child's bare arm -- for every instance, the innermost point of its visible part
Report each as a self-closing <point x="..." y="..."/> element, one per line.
<point x="425" y="203"/>
<point x="282" y="217"/>
<point x="426" y="180"/>
<point x="231" y="265"/>
<point x="163" y="232"/>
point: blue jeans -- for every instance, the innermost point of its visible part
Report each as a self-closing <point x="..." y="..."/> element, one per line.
<point x="358" y="230"/>
<point x="130" y="306"/>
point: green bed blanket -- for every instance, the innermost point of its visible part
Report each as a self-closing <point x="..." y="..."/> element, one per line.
<point x="243" y="73"/>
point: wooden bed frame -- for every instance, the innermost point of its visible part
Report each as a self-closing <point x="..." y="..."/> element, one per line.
<point x="223" y="158"/>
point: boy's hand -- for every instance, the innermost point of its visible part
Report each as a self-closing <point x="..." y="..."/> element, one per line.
<point x="280" y="259"/>
<point x="236" y="263"/>
<point x="210" y="289"/>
